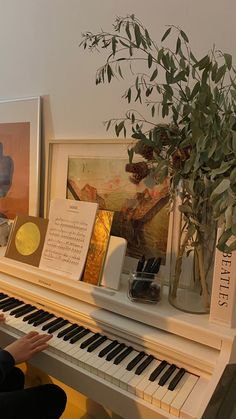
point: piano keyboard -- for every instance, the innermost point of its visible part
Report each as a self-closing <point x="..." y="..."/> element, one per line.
<point x="156" y="381"/>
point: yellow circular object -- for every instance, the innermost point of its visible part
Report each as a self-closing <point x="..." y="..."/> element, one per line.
<point x="27" y="239"/>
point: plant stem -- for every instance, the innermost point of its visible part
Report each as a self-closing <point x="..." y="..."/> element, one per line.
<point x="205" y="295"/>
<point x="178" y="265"/>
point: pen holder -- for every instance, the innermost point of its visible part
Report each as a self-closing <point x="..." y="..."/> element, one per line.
<point x="144" y="287"/>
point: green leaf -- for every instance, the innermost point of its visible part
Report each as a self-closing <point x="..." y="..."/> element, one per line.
<point x="203" y="62"/>
<point x="109" y="73"/>
<point x="184" y="36"/>
<point x="118" y="128"/>
<point x="154" y="75"/>
<point x="228" y="60"/>
<point x="220" y="73"/>
<point x="223" y="186"/>
<point x="138" y="35"/>
<point x="150" y="58"/>
<point x="178" y="45"/>
<point x="167" y="32"/>
<point x="128" y="31"/>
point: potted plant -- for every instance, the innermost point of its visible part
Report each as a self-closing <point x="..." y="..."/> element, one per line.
<point x="185" y="130"/>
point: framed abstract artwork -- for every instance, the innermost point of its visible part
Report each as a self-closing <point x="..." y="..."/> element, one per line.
<point x="94" y="170"/>
<point x="19" y="157"/>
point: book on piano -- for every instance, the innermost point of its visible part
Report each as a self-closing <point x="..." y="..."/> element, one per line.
<point x="26" y="239"/>
<point x="98" y="247"/>
<point x="223" y="299"/>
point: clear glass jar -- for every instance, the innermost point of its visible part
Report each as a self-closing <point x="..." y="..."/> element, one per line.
<point x="144" y="287"/>
<point x="191" y="267"/>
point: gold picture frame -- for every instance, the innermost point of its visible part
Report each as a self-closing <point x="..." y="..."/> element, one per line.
<point x="98" y="153"/>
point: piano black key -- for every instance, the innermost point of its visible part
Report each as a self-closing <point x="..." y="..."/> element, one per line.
<point x="2" y="295"/>
<point x="52" y="323"/>
<point x="73" y="332"/>
<point x="107" y="349"/>
<point x="5" y="302"/>
<point x="167" y="375"/>
<point x="144" y="364"/>
<point x="123" y="355"/>
<point x="135" y="361"/>
<point x="67" y="330"/>
<point x="43" y="319"/>
<point x="30" y="316"/>
<point x="16" y="310"/>
<point x="157" y="370"/>
<point x="96" y="344"/>
<point x="58" y="326"/>
<point x="80" y="335"/>
<point x="115" y="352"/>
<point x="22" y="311"/>
<point x="90" y="340"/>
<point x="37" y="317"/>
<point x="14" y="304"/>
<point x="176" y="379"/>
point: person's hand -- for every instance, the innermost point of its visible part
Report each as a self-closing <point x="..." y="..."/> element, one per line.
<point x="2" y="318"/>
<point x="24" y="348"/>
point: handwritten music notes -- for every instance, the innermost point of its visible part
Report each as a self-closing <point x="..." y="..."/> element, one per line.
<point x="68" y="236"/>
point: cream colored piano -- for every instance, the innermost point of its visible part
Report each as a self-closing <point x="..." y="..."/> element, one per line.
<point x="146" y="343"/>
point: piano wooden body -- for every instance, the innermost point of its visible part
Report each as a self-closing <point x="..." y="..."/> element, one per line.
<point x="188" y="341"/>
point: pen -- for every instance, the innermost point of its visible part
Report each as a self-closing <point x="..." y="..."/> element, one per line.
<point x="156" y="265"/>
<point x="140" y="264"/>
<point x="148" y="265"/>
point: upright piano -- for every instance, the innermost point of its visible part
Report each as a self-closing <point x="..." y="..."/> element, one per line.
<point x="139" y="360"/>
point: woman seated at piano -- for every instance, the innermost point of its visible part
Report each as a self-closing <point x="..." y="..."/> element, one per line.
<point x="46" y="401"/>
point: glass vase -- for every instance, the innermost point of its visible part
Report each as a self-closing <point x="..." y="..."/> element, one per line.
<point x="191" y="266"/>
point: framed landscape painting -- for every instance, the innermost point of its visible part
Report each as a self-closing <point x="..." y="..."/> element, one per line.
<point x="19" y="157"/>
<point x="94" y="170"/>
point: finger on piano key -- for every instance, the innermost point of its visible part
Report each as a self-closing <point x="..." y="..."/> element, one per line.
<point x="171" y="394"/>
<point x="183" y="394"/>
<point x="163" y="389"/>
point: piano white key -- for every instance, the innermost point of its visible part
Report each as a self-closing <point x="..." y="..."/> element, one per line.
<point x="179" y="400"/>
<point x="76" y="352"/>
<point x="119" y="373"/>
<point x="135" y="380"/>
<point x="191" y="403"/>
<point x="139" y="391"/>
<point x="96" y="361"/>
<point x="171" y="395"/>
<point x="162" y="390"/>
<point x="128" y="375"/>
<point x="110" y="373"/>
<point x="88" y="359"/>
<point x="153" y="386"/>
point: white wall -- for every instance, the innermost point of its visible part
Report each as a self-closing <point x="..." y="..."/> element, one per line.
<point x="40" y="54"/>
